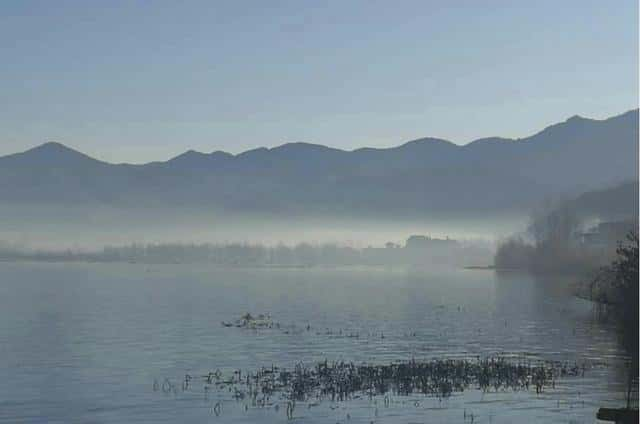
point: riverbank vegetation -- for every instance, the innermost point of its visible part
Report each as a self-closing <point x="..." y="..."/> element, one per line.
<point x="615" y="286"/>
<point x="576" y="236"/>
<point x="459" y="253"/>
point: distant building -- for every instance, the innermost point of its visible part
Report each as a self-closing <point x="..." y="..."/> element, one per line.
<point x="607" y="234"/>
<point x="427" y="242"/>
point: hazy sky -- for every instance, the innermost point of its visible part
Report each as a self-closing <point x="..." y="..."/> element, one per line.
<point x="139" y="81"/>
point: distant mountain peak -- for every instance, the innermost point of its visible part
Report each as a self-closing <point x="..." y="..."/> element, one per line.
<point x="54" y="154"/>
<point x="299" y="144"/>
<point x="57" y="151"/>
<point x="302" y="147"/>
<point x="487" y="141"/>
<point x="52" y="146"/>
<point x="426" y="141"/>
<point x="187" y="155"/>
<point x="195" y="159"/>
<point x="252" y="152"/>
<point x="577" y="118"/>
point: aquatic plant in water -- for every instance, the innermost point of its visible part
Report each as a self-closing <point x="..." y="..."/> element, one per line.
<point x="342" y="381"/>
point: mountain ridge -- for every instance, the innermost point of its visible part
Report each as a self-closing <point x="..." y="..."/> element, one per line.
<point x="418" y="178"/>
<point x="51" y="145"/>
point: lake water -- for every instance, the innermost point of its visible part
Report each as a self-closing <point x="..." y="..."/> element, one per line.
<point x="85" y="342"/>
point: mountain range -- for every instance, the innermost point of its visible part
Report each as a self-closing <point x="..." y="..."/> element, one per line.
<point x="421" y="177"/>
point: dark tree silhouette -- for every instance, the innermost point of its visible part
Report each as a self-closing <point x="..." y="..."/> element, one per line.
<point x="623" y="274"/>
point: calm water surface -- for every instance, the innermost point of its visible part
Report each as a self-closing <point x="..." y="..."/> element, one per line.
<point x="85" y="342"/>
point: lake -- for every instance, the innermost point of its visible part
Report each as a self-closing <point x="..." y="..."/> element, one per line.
<point x="85" y="342"/>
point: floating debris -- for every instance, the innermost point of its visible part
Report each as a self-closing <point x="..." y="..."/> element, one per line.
<point x="265" y="322"/>
<point x="249" y="321"/>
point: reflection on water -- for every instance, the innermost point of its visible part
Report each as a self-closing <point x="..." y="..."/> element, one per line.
<point x="85" y="342"/>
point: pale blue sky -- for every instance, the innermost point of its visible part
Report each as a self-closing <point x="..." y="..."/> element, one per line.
<point x="133" y="81"/>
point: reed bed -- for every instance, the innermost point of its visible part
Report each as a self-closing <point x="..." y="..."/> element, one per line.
<point x="342" y="381"/>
